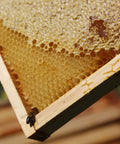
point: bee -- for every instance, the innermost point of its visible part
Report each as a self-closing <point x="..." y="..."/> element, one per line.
<point x="31" y="117"/>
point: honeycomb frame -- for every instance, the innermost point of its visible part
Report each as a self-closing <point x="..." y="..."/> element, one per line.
<point x="50" y="49"/>
<point x="66" y="107"/>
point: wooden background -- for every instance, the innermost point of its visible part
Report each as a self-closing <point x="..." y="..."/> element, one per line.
<point x="99" y="124"/>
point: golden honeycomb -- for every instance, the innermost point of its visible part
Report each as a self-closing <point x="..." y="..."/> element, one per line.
<point x="51" y="46"/>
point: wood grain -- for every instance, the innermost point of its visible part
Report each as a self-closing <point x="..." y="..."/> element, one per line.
<point x="69" y="105"/>
<point x="14" y="98"/>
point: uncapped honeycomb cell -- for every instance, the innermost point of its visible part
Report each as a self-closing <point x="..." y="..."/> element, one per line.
<point x="51" y="46"/>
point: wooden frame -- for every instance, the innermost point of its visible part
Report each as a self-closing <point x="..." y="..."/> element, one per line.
<point x="66" y="107"/>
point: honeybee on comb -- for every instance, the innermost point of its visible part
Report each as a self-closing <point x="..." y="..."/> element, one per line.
<point x="31" y="117"/>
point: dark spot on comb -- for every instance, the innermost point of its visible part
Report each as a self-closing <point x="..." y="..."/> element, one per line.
<point x="100" y="27"/>
<point x="51" y="44"/>
<point x="76" y="45"/>
<point x="34" y="41"/>
<point x="46" y="47"/>
<point x="55" y="46"/>
<point x="42" y="45"/>
<point x="50" y="49"/>
<point x="63" y="50"/>
<point x="15" y="76"/>
<point x="82" y="54"/>
<point x="81" y="48"/>
<point x="1" y="48"/>
<point x="71" y="55"/>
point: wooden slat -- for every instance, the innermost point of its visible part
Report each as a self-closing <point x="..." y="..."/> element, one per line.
<point x="86" y="122"/>
<point x="78" y="99"/>
<point x="69" y="105"/>
<point x="14" y="98"/>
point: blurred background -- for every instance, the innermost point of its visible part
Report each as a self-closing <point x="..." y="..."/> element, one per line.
<point x="99" y="124"/>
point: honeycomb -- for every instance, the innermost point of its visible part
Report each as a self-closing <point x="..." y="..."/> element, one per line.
<point x="51" y="46"/>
